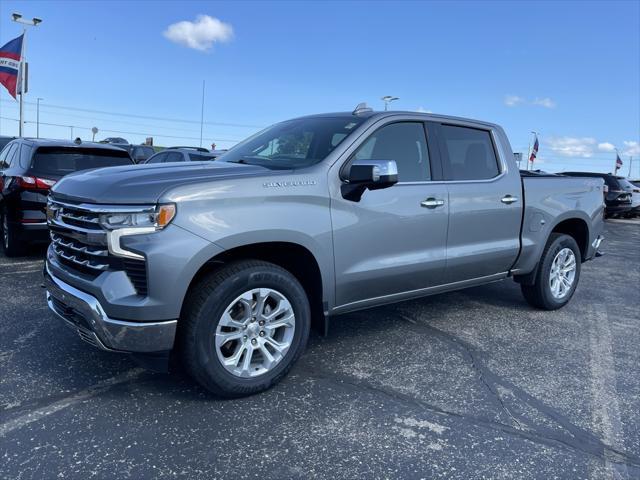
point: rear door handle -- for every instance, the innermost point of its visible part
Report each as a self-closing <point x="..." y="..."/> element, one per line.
<point x="508" y="199"/>
<point x="432" y="203"/>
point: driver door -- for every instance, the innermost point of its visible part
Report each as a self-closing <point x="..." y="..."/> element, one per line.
<point x="393" y="240"/>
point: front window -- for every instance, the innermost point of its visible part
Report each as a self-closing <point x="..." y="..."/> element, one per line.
<point x="294" y="143"/>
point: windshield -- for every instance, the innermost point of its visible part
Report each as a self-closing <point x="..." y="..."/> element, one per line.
<point x="294" y="143"/>
<point x="61" y="161"/>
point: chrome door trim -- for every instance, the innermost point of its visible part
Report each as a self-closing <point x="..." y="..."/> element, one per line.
<point x="432" y="203"/>
<point x="509" y="199"/>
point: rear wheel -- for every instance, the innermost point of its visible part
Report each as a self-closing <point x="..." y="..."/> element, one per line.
<point x="558" y="274"/>
<point x="10" y="242"/>
<point x="244" y="327"/>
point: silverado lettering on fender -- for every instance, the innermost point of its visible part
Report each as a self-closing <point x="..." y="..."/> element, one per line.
<point x="226" y="263"/>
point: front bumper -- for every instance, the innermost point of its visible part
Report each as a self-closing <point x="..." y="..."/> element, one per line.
<point x="84" y="314"/>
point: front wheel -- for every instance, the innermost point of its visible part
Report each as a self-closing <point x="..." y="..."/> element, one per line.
<point x="243" y="328"/>
<point x="558" y="274"/>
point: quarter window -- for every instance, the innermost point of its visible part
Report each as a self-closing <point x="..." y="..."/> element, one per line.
<point x="405" y="143"/>
<point x="7" y="161"/>
<point x="468" y="154"/>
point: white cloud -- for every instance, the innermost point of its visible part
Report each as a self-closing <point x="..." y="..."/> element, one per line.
<point x="422" y="110"/>
<point x="200" y="34"/>
<point x="606" y="147"/>
<point x="513" y="100"/>
<point x="631" y="148"/>
<point x="545" y="102"/>
<point x="572" y="147"/>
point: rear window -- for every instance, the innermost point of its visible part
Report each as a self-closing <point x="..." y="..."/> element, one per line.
<point x="469" y="154"/>
<point x="61" y="161"/>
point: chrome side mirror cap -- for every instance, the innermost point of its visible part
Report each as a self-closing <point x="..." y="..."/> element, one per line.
<point x="369" y="175"/>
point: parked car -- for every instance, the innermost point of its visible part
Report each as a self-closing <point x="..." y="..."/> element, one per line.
<point x="182" y="154"/>
<point x="4" y="140"/>
<point x="227" y="263"/>
<point x="139" y="153"/>
<point x="634" y="191"/>
<point x="117" y="140"/>
<point x="28" y="169"/>
<point x="618" y="200"/>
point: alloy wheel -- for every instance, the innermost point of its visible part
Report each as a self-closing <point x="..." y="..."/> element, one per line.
<point x="563" y="273"/>
<point x="255" y="332"/>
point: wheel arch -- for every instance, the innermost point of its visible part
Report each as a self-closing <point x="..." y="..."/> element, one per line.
<point x="297" y="259"/>
<point x="576" y="225"/>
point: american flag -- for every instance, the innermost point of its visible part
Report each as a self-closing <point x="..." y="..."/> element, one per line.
<point x="534" y="152"/>
<point x="618" y="161"/>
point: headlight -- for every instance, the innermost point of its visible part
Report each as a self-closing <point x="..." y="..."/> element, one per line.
<point x="157" y="219"/>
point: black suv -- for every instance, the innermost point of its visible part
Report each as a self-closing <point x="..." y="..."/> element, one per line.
<point x="617" y="200"/>
<point x="28" y="169"/>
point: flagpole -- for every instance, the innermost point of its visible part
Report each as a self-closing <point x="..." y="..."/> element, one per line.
<point x="16" y="17"/>
<point x="615" y="164"/>
<point x="528" y="152"/>
<point x="22" y="71"/>
<point x="630" y="160"/>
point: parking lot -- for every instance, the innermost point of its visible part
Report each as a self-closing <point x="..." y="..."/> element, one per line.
<point x="471" y="384"/>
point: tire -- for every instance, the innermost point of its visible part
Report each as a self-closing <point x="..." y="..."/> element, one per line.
<point x="540" y="294"/>
<point x="202" y="326"/>
<point x="11" y="244"/>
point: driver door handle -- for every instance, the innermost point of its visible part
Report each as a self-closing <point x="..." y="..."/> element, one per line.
<point x="432" y="203"/>
<point x="508" y="199"/>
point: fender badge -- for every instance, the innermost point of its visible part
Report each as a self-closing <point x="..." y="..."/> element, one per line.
<point x="290" y="183"/>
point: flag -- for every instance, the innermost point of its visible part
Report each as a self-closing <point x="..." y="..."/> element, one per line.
<point x="10" y="56"/>
<point x="534" y="151"/>
<point x="618" y="162"/>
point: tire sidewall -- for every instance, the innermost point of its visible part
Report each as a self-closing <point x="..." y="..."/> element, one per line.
<point x="12" y="248"/>
<point x="210" y="313"/>
<point x="564" y="241"/>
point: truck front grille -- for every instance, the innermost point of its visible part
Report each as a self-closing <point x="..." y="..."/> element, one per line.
<point x="80" y="244"/>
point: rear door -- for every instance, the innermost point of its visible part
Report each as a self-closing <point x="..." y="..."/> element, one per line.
<point x="485" y="202"/>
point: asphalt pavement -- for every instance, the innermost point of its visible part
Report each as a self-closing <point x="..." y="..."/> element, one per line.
<point x="467" y="385"/>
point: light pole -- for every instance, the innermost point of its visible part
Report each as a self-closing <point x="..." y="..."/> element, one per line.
<point x="17" y="17"/>
<point x="387" y="99"/>
<point x="38" y="116"/>
<point x="202" y="113"/>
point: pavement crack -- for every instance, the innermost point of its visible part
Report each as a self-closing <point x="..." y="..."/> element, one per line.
<point x="575" y="438"/>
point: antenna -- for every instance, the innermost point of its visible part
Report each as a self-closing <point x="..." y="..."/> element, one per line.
<point x="362" y="108"/>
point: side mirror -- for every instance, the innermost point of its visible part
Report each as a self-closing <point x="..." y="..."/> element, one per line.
<point x="369" y="174"/>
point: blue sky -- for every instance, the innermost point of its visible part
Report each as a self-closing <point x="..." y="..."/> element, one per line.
<point x="568" y="70"/>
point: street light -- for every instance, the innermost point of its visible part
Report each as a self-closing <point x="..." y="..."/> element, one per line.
<point x="17" y="17"/>
<point x="38" y="116"/>
<point x="387" y="99"/>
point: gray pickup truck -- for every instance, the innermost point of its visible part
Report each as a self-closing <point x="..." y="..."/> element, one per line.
<point x="227" y="263"/>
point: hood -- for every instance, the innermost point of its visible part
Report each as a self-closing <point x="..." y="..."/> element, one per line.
<point x="144" y="184"/>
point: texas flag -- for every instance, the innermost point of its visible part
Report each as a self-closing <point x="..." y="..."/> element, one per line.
<point x="10" y="55"/>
